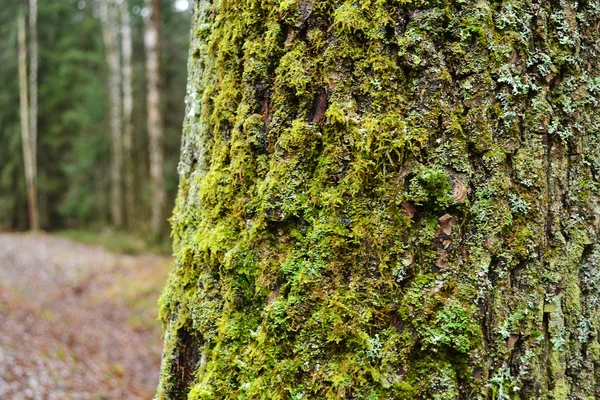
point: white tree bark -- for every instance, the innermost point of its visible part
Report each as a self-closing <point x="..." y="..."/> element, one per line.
<point x="127" y="82"/>
<point x="109" y="17"/>
<point x="33" y="81"/>
<point x="26" y="137"/>
<point x="155" y="129"/>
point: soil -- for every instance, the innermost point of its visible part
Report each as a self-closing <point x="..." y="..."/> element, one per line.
<point x="77" y="322"/>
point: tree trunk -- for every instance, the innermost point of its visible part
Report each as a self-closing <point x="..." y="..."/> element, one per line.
<point x="127" y="81"/>
<point x="388" y="200"/>
<point x="33" y="104"/>
<point x="109" y="17"/>
<point x="155" y="128"/>
<point x="27" y="138"/>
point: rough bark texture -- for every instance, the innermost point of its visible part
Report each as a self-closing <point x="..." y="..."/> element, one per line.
<point x="109" y="16"/>
<point x="388" y="200"/>
<point x="127" y="82"/>
<point x="27" y="139"/>
<point x="155" y="128"/>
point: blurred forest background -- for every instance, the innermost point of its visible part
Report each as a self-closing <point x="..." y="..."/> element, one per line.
<point x="100" y="116"/>
<point x="91" y="110"/>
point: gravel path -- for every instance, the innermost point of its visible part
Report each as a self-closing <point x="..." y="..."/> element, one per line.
<point x="77" y="322"/>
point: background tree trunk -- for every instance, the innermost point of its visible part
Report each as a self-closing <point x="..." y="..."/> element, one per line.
<point x="33" y="109"/>
<point x="155" y="128"/>
<point x="127" y="81"/>
<point x="388" y="200"/>
<point x="27" y="140"/>
<point x="109" y="16"/>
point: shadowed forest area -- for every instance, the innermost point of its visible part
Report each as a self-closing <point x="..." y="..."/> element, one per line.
<point x="93" y="140"/>
<point x="91" y="108"/>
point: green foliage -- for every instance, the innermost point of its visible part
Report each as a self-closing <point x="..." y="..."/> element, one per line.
<point x="12" y="186"/>
<point x="72" y="116"/>
<point x="74" y="139"/>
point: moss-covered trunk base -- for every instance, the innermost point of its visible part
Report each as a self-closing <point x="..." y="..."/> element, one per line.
<point x="388" y="200"/>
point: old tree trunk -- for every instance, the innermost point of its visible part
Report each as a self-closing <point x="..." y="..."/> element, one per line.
<point x="28" y="108"/>
<point x="34" y="218"/>
<point x="155" y="122"/>
<point x="388" y="200"/>
<point x="109" y="17"/>
<point x="127" y="85"/>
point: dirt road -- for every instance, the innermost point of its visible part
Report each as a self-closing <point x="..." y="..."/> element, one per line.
<point x="77" y="322"/>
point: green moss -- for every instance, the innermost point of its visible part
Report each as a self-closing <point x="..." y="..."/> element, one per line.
<point x="431" y="186"/>
<point x="452" y="326"/>
<point x="386" y="200"/>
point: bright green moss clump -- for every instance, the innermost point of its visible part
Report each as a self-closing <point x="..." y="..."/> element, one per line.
<point x="387" y="200"/>
<point x="431" y="187"/>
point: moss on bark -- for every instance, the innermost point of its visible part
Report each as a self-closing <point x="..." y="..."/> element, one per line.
<point x="388" y="200"/>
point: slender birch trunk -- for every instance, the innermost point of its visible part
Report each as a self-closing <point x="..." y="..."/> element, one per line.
<point x="26" y="137"/>
<point x="155" y="129"/>
<point x="127" y="83"/>
<point x="33" y="96"/>
<point x="109" y="16"/>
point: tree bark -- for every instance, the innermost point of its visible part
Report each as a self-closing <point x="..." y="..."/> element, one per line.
<point x="387" y="200"/>
<point x="33" y="105"/>
<point x="127" y="81"/>
<point x="155" y="128"/>
<point x="27" y="138"/>
<point x="109" y="17"/>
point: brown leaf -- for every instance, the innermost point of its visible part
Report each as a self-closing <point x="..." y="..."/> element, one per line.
<point x="512" y="340"/>
<point x="306" y="8"/>
<point x="409" y="209"/>
<point x="445" y="228"/>
<point x="459" y="192"/>
<point x="441" y="262"/>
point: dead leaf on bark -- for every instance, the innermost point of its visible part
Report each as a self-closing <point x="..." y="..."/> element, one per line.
<point x="459" y="192"/>
<point x="409" y="209"/>
<point x="441" y="262"/>
<point x="443" y="237"/>
<point x="512" y="340"/>
<point x="445" y="228"/>
<point x="306" y="8"/>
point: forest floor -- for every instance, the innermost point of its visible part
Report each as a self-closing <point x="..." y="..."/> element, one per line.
<point x="76" y="321"/>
